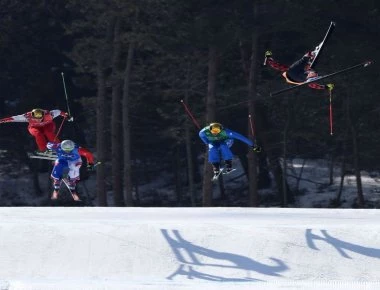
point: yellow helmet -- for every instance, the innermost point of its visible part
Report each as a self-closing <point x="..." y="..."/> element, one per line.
<point x="215" y="128"/>
<point x="38" y="113"/>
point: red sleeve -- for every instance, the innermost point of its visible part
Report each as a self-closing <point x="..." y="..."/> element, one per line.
<point x="317" y="86"/>
<point x="276" y="65"/>
<point x="6" y="120"/>
<point x="87" y="154"/>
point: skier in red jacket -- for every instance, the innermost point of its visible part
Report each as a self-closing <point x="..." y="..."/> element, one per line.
<point x="41" y="125"/>
<point x="299" y="72"/>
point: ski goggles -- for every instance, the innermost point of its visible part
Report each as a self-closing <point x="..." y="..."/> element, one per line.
<point x="215" y="130"/>
<point x="38" y="114"/>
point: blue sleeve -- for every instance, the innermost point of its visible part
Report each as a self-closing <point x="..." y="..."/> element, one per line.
<point x="234" y="135"/>
<point x="203" y="136"/>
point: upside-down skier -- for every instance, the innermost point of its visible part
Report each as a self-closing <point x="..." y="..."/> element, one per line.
<point x="41" y="125"/>
<point x="68" y="156"/>
<point x="299" y="72"/>
<point x="302" y="71"/>
<point x="219" y="140"/>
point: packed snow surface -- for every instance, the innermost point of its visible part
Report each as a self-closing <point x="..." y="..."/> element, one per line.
<point x="189" y="248"/>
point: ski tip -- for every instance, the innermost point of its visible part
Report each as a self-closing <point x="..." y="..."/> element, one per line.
<point x="333" y="23"/>
<point x="367" y="63"/>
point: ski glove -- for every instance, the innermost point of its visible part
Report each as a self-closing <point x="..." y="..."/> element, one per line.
<point x="330" y="86"/>
<point x="256" y="148"/>
<point x="67" y="116"/>
<point x="268" y="53"/>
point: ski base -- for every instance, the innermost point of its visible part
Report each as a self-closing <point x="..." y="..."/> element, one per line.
<point x="222" y="171"/>
<point x="42" y="156"/>
<point x="228" y="172"/>
<point x="316" y="79"/>
<point x="320" y="46"/>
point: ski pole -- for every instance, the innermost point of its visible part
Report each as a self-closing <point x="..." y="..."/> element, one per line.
<point x="251" y="126"/>
<point x="190" y="114"/>
<point x="331" y="111"/>
<point x="67" y="99"/>
<point x="59" y="130"/>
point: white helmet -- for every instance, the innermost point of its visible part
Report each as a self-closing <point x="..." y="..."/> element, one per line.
<point x="67" y="145"/>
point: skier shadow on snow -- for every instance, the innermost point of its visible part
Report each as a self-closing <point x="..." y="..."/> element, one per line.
<point x="341" y="246"/>
<point x="191" y="256"/>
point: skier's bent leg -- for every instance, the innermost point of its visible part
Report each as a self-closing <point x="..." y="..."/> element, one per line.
<point x="74" y="177"/>
<point x="56" y="185"/>
<point x="49" y="132"/>
<point x="228" y="165"/>
<point x="39" y="137"/>
<point x="226" y="152"/>
<point x="296" y="71"/>
<point x="216" y="167"/>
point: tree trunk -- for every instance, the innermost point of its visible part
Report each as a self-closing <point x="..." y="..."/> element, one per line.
<point x="210" y="117"/>
<point x="252" y="160"/>
<point x="284" y="200"/>
<point x="101" y="113"/>
<point x="127" y="128"/>
<point x="178" y="175"/>
<point x="100" y="134"/>
<point x="116" y="134"/>
<point x="342" y="169"/>
<point x="357" y="167"/>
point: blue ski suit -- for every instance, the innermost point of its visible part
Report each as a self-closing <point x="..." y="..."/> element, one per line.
<point x="220" y="144"/>
<point x="71" y="160"/>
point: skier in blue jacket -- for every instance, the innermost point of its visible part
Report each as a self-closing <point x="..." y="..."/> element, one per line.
<point x="219" y="141"/>
<point x="68" y="157"/>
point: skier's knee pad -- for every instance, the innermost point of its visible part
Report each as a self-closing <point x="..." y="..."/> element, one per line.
<point x="72" y="184"/>
<point x="56" y="183"/>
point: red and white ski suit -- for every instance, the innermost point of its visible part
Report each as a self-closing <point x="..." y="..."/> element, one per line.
<point x="42" y="130"/>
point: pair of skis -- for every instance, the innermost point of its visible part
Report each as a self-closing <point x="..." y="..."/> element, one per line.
<point x="47" y="156"/>
<point x="221" y="171"/>
<point x="319" y="78"/>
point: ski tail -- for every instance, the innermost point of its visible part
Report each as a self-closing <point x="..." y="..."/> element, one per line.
<point x="317" y="79"/>
<point x="74" y="195"/>
<point x="320" y="46"/>
<point x="216" y="176"/>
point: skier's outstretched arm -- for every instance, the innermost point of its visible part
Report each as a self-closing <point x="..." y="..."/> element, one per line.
<point x="249" y="142"/>
<point x="235" y="135"/>
<point x="273" y="63"/>
<point x="86" y="154"/>
<point x="203" y="136"/>
<point x="317" y="86"/>
<point x="17" y="118"/>
<point x="56" y="113"/>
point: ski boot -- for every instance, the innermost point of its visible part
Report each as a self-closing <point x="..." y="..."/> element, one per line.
<point x="228" y="166"/>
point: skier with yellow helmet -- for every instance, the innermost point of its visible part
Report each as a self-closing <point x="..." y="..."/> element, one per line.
<point x="219" y="140"/>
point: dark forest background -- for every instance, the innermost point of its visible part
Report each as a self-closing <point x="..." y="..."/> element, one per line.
<point x="131" y="68"/>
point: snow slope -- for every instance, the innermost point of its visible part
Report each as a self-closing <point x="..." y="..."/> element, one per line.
<point x="189" y="248"/>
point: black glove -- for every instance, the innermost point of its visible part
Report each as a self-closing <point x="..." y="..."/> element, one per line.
<point x="90" y="167"/>
<point x="256" y="148"/>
